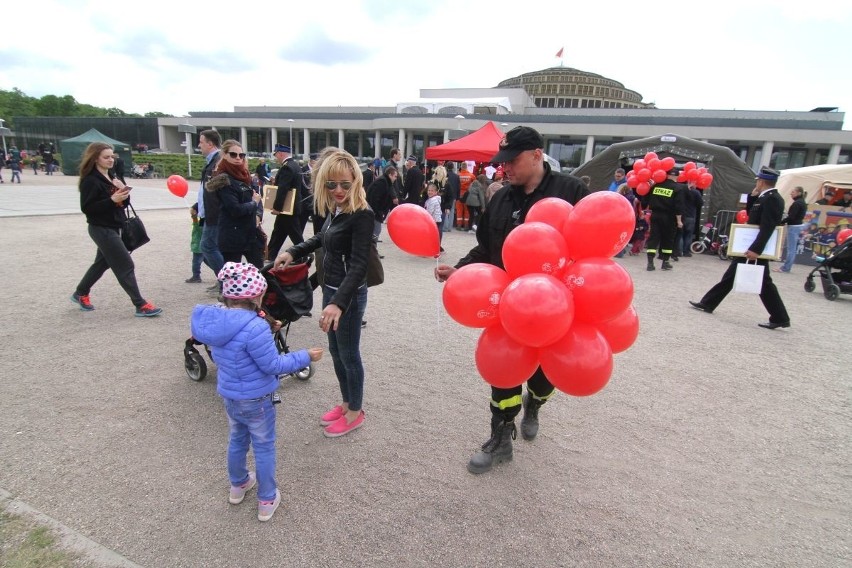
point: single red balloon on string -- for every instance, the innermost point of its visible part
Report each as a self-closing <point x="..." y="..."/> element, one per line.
<point x="413" y="230"/>
<point x="502" y="361"/>
<point x="654" y="164"/>
<point x="639" y="164"/>
<point x="536" y="309"/>
<point x="742" y="216"/>
<point x="600" y="225"/>
<point x="621" y="331"/>
<point x="472" y="294"/>
<point x="643" y="188"/>
<point x="177" y="185"/>
<point x="704" y="181"/>
<point x="602" y="289"/>
<point x="658" y="176"/>
<point x="644" y="174"/>
<point x="549" y="255"/>
<point x="550" y="210"/>
<point x="668" y="163"/>
<point x="632" y="182"/>
<point x="651" y="156"/>
<point x="689" y="166"/>
<point x="579" y="363"/>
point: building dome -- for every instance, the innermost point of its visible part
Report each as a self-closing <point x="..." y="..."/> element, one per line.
<point x="566" y="87"/>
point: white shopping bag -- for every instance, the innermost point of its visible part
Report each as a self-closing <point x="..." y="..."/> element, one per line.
<point x="749" y="278"/>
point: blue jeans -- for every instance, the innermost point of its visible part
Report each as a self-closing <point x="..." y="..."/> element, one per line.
<point x="687" y="236"/>
<point x="448" y="217"/>
<point x="345" y="347"/>
<point x="793" y="232"/>
<point x="197" y="257"/>
<point x="210" y="248"/>
<point x="252" y="422"/>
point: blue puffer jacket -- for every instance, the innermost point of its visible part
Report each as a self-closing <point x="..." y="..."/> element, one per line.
<point x="243" y="350"/>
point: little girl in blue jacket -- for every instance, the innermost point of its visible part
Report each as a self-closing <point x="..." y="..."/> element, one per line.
<point x="248" y="365"/>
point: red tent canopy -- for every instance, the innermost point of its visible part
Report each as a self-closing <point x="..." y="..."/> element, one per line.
<point x="479" y="146"/>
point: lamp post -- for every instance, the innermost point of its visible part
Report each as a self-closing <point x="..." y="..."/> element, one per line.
<point x="188" y="130"/>
<point x="503" y="125"/>
<point x="458" y="118"/>
<point x="290" y="140"/>
<point x="4" y="132"/>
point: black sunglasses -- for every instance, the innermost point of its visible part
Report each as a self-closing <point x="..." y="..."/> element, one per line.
<point x="332" y="185"/>
<point x="234" y="155"/>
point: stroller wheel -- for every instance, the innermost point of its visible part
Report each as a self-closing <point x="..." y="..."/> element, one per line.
<point x="196" y="367"/>
<point x="306" y="373"/>
<point x="810" y="286"/>
<point x="832" y="292"/>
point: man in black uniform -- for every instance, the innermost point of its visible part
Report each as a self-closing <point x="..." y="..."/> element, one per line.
<point x="765" y="208"/>
<point x="666" y="203"/>
<point x="289" y="176"/>
<point x="412" y="187"/>
<point x="530" y="180"/>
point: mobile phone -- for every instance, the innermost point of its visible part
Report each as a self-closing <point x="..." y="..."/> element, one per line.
<point x="127" y="187"/>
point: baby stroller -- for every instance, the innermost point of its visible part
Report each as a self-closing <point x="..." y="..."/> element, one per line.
<point x="288" y="297"/>
<point x="835" y="272"/>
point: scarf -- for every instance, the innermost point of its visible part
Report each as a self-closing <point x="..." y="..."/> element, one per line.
<point x="239" y="173"/>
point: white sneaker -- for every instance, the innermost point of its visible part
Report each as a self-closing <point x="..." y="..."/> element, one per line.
<point x="266" y="509"/>
<point x="473" y="228"/>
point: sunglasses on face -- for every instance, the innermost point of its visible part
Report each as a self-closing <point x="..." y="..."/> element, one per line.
<point x="235" y="156"/>
<point x="332" y="185"/>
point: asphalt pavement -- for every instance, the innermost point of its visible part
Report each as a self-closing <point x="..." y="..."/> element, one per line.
<point x="716" y="443"/>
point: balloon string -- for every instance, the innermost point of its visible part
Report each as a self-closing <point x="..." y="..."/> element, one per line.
<point x="438" y="296"/>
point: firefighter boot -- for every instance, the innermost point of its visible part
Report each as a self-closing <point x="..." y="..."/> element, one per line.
<point x="497" y="449"/>
<point x="529" y="423"/>
<point x="651" y="262"/>
<point x="666" y="264"/>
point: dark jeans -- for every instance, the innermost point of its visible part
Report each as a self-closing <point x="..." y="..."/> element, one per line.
<point x="506" y="403"/>
<point x="197" y="258"/>
<point x="210" y="248"/>
<point x="112" y="254"/>
<point x="285" y="226"/>
<point x="686" y="237"/>
<point x="345" y="347"/>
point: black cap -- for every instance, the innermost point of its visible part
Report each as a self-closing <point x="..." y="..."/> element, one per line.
<point x="675" y="171"/>
<point x="518" y="140"/>
<point x="281" y="148"/>
<point x="768" y="174"/>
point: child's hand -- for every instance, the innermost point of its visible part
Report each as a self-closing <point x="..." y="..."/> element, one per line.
<point x="315" y="353"/>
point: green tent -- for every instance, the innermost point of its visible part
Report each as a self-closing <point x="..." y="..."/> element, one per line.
<point x="72" y="151"/>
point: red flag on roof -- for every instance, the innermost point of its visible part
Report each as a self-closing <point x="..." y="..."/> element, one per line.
<point x="559" y="53"/>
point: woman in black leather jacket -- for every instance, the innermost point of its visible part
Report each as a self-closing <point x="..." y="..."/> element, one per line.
<point x="239" y="209"/>
<point x="346" y="236"/>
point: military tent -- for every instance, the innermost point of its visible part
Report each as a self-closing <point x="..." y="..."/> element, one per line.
<point x="814" y="180"/>
<point x="731" y="176"/>
<point x="72" y="151"/>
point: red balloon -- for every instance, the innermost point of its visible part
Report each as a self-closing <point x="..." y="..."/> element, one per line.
<point x="658" y="176"/>
<point x="177" y="185"/>
<point x="701" y="170"/>
<point x="632" y="182"/>
<point x="621" y="331"/>
<point x="843" y="235"/>
<point x="639" y="164"/>
<point x="689" y="166"/>
<point x="643" y="188"/>
<point x="600" y="225"/>
<point x="536" y="309"/>
<point x="644" y="174"/>
<point x="692" y="175"/>
<point x="579" y="363"/>
<point x="651" y="156"/>
<point x="668" y="163"/>
<point x="681" y="177"/>
<point x="742" y="216"/>
<point x="412" y="229"/>
<point x="502" y="361"/>
<point x="654" y="164"/>
<point x="472" y="294"/>
<point x="534" y="247"/>
<point x="602" y="289"/>
<point x="550" y="210"/>
<point x="704" y="180"/>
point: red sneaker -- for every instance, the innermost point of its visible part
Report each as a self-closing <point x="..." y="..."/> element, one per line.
<point x="332" y="416"/>
<point x="341" y="428"/>
<point x="82" y="301"/>
<point x="148" y="310"/>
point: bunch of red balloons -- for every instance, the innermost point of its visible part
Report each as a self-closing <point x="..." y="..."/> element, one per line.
<point x="561" y="303"/>
<point x="177" y="185"/>
<point x="699" y="176"/>
<point x="648" y="169"/>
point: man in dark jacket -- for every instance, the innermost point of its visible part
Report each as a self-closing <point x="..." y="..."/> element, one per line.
<point x="381" y="197"/>
<point x="289" y="176"/>
<point x="451" y="195"/>
<point x="209" y="142"/>
<point x="530" y="180"/>
<point x="765" y="208"/>
<point x="694" y="202"/>
<point x="412" y="187"/>
<point x="795" y="218"/>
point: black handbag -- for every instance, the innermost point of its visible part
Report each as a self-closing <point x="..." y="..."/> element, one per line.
<point x="375" y="270"/>
<point x="133" y="232"/>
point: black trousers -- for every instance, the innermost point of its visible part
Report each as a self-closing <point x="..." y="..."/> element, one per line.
<point x="253" y="256"/>
<point x="769" y="293"/>
<point x="112" y="254"/>
<point x="506" y="403"/>
<point x="662" y="237"/>
<point x="285" y="226"/>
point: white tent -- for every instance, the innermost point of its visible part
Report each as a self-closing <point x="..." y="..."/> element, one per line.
<point x="813" y="180"/>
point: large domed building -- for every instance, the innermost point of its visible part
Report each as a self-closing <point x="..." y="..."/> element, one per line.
<point x="566" y="87"/>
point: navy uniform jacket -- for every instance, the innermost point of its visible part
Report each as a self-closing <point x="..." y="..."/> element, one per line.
<point x="766" y="211"/>
<point x="289" y="176"/>
<point x="508" y="209"/>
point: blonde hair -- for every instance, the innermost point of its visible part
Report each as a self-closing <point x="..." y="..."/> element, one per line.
<point x="335" y="164"/>
<point x="439" y="176"/>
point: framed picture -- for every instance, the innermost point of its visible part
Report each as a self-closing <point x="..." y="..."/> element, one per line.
<point x="742" y="236"/>
<point x="270" y="192"/>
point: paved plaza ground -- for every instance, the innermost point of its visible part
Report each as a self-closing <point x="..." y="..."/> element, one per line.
<point x="716" y="443"/>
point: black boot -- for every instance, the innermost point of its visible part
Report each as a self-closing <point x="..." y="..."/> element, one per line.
<point x="497" y="449"/>
<point x="529" y="423"/>
<point x="651" y="262"/>
<point x="666" y="265"/>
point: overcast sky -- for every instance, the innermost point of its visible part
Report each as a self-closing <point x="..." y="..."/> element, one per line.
<point x="179" y="57"/>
